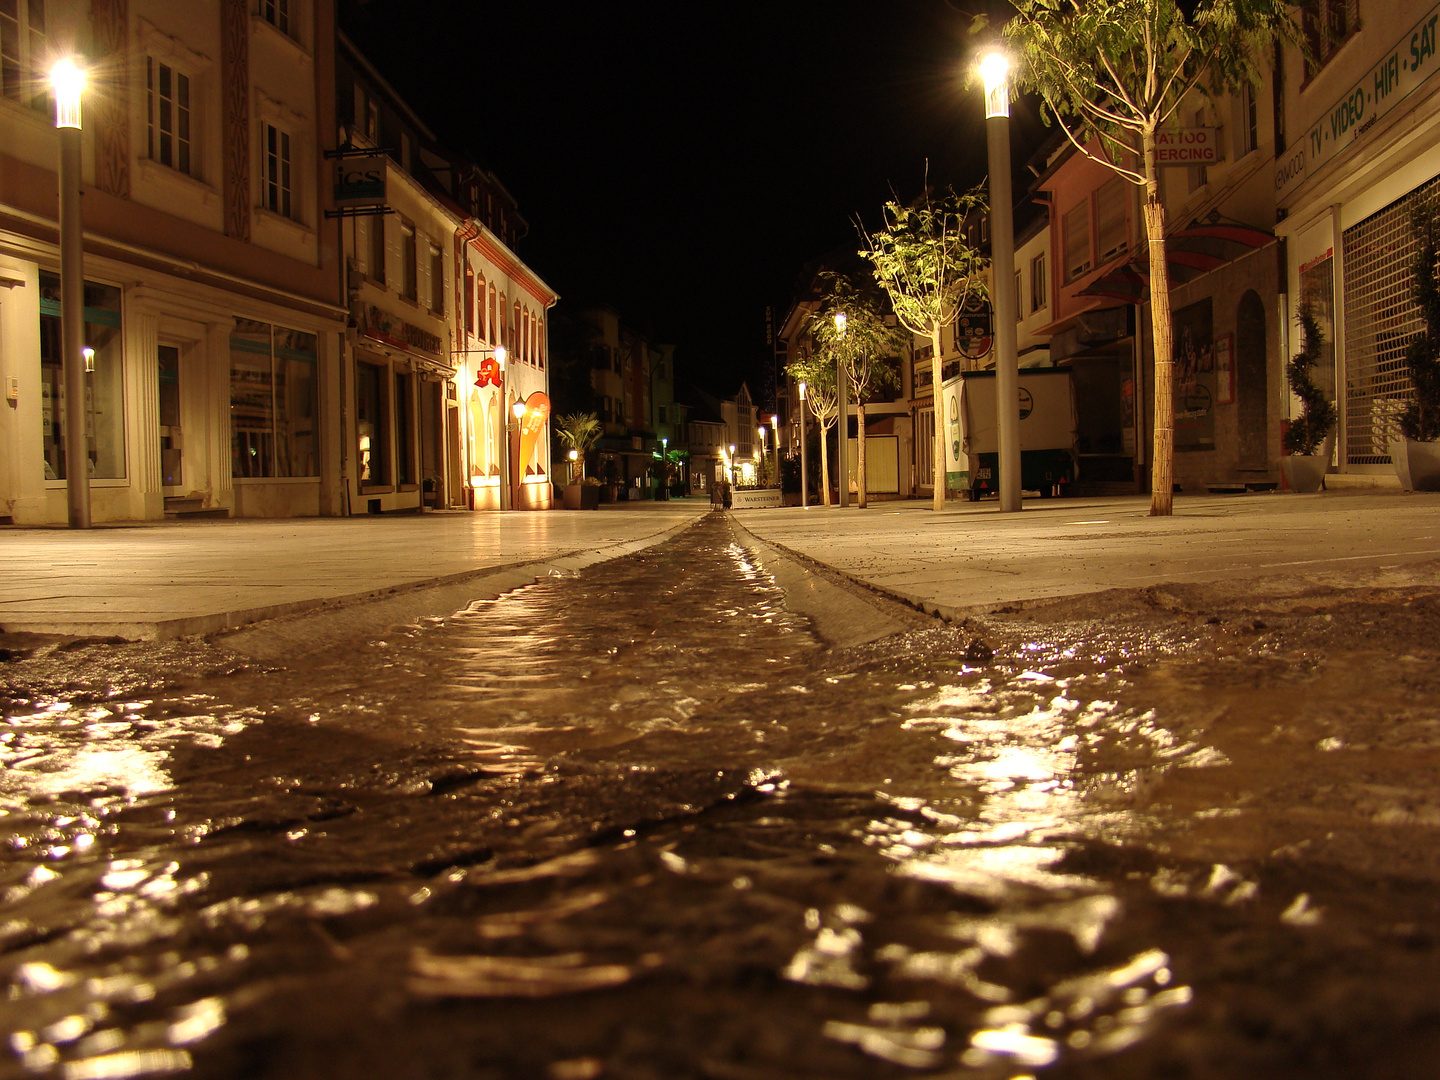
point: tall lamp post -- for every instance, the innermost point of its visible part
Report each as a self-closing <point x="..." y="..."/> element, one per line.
<point x="842" y="426"/>
<point x="504" y="492"/>
<point x="994" y="73"/>
<point x="515" y="466"/>
<point x="775" y="427"/>
<point x="804" y="472"/>
<point x="68" y="82"/>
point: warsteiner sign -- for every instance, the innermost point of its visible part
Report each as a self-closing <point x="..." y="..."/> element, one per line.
<point x="1187" y="146"/>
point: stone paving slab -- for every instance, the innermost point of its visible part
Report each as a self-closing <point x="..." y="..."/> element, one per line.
<point x="170" y="579"/>
<point x="974" y="558"/>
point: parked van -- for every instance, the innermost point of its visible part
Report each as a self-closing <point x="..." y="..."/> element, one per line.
<point x="1047" y="432"/>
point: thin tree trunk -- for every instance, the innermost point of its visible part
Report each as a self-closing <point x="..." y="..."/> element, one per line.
<point x="824" y="460"/>
<point x="861" y="494"/>
<point x="938" y="451"/>
<point x="1162" y="457"/>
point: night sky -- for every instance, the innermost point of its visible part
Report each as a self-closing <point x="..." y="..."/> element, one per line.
<point x="682" y="162"/>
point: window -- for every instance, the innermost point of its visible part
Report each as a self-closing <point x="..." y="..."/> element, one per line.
<point x="1199" y="174"/>
<point x="23" y="52"/>
<point x="1111" y="233"/>
<point x="104" y="398"/>
<point x="274" y="399"/>
<point x="275" y="183"/>
<point x="277" y="14"/>
<point x="376" y="237"/>
<point x="1327" y="24"/>
<point x="493" y="335"/>
<point x="437" y="280"/>
<point x="167" y="94"/>
<point x="1247" y="126"/>
<point x="469" y="299"/>
<point x="1038" y="282"/>
<point x="371" y="426"/>
<point x="1077" y="241"/>
<point x="515" y="343"/>
<point x="404" y="448"/>
<point x="409" y="255"/>
<point x="660" y="411"/>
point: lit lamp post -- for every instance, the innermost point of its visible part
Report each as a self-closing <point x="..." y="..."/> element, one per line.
<point x="574" y="456"/>
<point x="842" y="426"/>
<point x="68" y="82"/>
<point x="504" y="492"/>
<point x="994" y="73"/>
<point x="804" y="472"/>
<point x="760" y="455"/>
<point x="775" y="427"/>
<point x="730" y="464"/>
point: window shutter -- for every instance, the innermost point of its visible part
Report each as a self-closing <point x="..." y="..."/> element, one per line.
<point x="1111" y="232"/>
<point x="1077" y="241"/>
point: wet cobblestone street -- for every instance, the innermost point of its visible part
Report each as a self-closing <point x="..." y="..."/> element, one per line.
<point x="642" y="822"/>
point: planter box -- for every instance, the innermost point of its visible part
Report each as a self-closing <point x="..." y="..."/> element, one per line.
<point x="1417" y="464"/>
<point x="1304" y="472"/>
<point x="581" y="497"/>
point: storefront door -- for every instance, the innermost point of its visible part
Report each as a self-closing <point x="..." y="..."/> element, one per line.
<point x="171" y="438"/>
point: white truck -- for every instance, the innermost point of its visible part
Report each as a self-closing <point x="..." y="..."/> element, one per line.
<point x="1047" y="432"/>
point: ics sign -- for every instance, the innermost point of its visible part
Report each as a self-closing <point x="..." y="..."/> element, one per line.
<point x="360" y="181"/>
<point x="1187" y="146"/>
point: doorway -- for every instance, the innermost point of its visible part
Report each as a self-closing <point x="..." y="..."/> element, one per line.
<point x="1252" y="389"/>
<point x="171" y="437"/>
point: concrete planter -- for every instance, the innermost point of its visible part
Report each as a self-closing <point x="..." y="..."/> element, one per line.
<point x="1417" y="464"/>
<point x="1304" y="472"/>
<point x="581" y="497"/>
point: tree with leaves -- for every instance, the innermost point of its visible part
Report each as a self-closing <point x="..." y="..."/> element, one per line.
<point x="817" y="372"/>
<point x="1421" y="419"/>
<point x="923" y="262"/>
<point x="864" y="345"/>
<point x="1112" y="73"/>
<point x="1317" y="412"/>
<point x="578" y="432"/>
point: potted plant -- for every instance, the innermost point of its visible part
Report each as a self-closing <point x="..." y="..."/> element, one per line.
<point x="578" y="432"/>
<point x="1307" y="442"/>
<point x="1416" y="453"/>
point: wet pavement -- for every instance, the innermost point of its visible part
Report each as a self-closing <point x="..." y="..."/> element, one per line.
<point x="642" y="821"/>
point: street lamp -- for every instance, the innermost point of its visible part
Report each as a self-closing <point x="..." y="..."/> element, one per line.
<point x="504" y="493"/>
<point x="804" y="472"/>
<point x="67" y="80"/>
<point x="574" y="456"/>
<point x="730" y="462"/>
<point x="994" y="73"/>
<point x="513" y="466"/>
<point x="842" y="425"/>
<point x="775" y="427"/>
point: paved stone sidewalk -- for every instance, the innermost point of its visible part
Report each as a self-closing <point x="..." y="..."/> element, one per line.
<point x="175" y="578"/>
<point x="973" y="557"/>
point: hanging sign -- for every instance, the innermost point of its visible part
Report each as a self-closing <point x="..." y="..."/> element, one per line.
<point x="1187" y="146"/>
<point x="489" y="373"/>
<point x="360" y="181"/>
<point x="974" y="329"/>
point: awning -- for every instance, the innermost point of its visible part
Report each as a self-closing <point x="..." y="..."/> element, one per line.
<point x="1189" y="253"/>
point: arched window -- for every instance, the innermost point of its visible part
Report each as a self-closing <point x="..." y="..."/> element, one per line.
<point x="480" y="307"/>
<point x="515" y="326"/>
<point x="502" y="335"/>
<point x="494" y="335"/>
<point x="469" y="299"/>
<point x="540" y="340"/>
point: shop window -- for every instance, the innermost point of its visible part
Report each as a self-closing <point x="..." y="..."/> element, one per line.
<point x="169" y="135"/>
<point x="1039" y="282"/>
<point x="23" y="53"/>
<point x="275" y="182"/>
<point x="104" y="398"/>
<point x="409" y="258"/>
<point x="1327" y="25"/>
<point x="404" y="448"/>
<point x="1112" y="235"/>
<point x="1077" y="241"/>
<point x="274" y="397"/>
<point x="372" y="428"/>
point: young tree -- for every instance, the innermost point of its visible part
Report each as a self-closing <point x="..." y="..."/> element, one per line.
<point x="817" y="372"/>
<point x="864" y="346"/>
<point x="922" y="261"/>
<point x="1111" y="74"/>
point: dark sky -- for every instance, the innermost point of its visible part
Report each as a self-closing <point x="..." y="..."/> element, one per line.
<point x="683" y="161"/>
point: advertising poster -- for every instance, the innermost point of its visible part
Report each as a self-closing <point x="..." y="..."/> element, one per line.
<point x="1194" y="378"/>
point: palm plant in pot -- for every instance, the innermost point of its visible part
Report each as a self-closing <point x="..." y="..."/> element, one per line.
<point x="1307" y="440"/>
<point x="1417" y="454"/>
<point x="579" y="432"/>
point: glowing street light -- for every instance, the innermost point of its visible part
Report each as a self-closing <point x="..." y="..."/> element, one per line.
<point x="67" y="81"/>
<point x="804" y="472"/>
<point x="842" y="425"/>
<point x="994" y="73"/>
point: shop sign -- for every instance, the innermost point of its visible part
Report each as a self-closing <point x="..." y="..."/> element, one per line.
<point x="382" y="326"/>
<point x="532" y="423"/>
<point x="1398" y="73"/>
<point x="360" y="181"/>
<point x="489" y="373"/>
<point x="1187" y="146"/>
